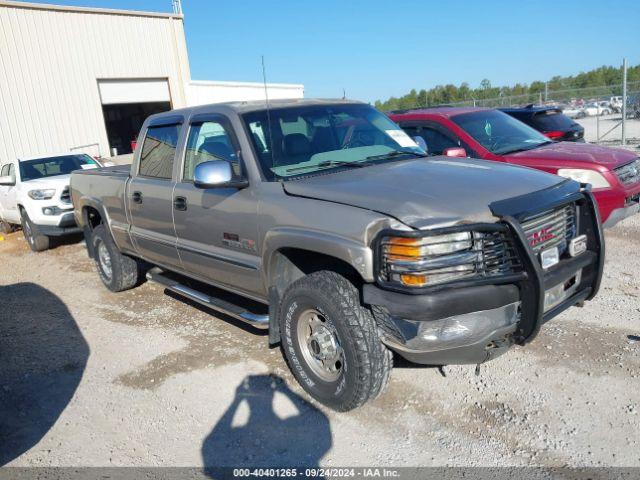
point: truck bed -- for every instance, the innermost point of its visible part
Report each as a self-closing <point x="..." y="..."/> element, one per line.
<point x="103" y="189"/>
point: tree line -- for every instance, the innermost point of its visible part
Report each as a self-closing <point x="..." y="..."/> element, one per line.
<point x="589" y="83"/>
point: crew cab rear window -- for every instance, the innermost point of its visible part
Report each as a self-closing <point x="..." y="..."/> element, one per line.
<point x="158" y="151"/>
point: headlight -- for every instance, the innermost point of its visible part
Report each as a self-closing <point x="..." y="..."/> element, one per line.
<point x="585" y="176"/>
<point x="41" y="194"/>
<point x="431" y="260"/>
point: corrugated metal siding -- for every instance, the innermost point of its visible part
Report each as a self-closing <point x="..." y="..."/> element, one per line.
<point x="50" y="63"/>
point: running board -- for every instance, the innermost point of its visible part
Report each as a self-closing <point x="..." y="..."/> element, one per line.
<point x="256" y="320"/>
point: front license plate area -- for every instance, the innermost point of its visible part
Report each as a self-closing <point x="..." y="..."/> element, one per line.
<point x="557" y="294"/>
<point x="549" y="257"/>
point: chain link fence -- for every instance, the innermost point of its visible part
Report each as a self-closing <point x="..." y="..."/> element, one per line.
<point x="597" y="109"/>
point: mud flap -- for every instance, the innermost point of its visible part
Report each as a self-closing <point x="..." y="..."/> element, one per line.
<point x="274" y="325"/>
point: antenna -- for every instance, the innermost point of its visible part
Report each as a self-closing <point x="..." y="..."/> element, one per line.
<point x="266" y="96"/>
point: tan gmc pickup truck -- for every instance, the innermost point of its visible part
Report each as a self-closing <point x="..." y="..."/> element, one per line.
<point x="327" y="224"/>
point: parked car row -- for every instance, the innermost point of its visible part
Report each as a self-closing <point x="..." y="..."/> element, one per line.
<point x="488" y="134"/>
<point x="350" y="235"/>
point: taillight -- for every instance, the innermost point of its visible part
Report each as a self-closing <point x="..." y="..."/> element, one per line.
<point x="554" y="135"/>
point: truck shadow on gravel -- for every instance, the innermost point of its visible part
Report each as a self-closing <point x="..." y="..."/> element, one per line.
<point x="271" y="433"/>
<point x="42" y="358"/>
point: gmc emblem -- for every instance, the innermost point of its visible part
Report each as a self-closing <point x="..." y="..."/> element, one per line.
<point x="541" y="236"/>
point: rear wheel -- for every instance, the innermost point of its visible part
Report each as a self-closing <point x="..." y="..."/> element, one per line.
<point x="117" y="271"/>
<point x="37" y="242"/>
<point x="331" y="343"/>
<point x="6" y="227"/>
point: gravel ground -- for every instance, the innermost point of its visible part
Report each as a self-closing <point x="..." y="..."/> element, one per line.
<point x="92" y="378"/>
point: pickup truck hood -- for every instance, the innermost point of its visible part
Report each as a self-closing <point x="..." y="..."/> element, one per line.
<point x="561" y="153"/>
<point x="436" y="191"/>
<point x="58" y="182"/>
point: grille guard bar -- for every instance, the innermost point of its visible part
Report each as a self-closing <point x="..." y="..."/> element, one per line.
<point x="532" y="290"/>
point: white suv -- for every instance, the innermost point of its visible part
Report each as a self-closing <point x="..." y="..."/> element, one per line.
<point x="34" y="193"/>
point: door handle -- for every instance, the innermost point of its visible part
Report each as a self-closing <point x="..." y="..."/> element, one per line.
<point x="136" y="197"/>
<point x="180" y="203"/>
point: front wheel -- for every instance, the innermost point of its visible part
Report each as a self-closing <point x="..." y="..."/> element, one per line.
<point x="331" y="342"/>
<point x="37" y="242"/>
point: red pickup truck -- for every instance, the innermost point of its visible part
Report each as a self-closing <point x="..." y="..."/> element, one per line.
<point x="489" y="134"/>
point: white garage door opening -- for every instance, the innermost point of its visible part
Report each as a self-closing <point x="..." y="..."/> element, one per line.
<point x="133" y="91"/>
<point x="125" y="106"/>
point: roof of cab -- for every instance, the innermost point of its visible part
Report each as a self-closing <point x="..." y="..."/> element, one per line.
<point x="255" y="105"/>
<point x="442" y="111"/>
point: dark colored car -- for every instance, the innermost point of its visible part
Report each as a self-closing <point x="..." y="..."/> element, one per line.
<point x="550" y="121"/>
<point x="489" y="134"/>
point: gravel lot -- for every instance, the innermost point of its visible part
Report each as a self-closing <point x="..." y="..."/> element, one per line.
<point x="91" y="378"/>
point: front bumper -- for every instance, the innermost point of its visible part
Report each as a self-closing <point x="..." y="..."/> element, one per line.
<point x="632" y="207"/>
<point x="616" y="204"/>
<point x="474" y="324"/>
<point x="65" y="225"/>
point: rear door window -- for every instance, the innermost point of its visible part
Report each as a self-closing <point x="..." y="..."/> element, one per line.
<point x="550" y="121"/>
<point x="159" y="151"/>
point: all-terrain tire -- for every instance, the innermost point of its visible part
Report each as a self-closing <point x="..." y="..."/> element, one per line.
<point x="36" y="241"/>
<point x="118" y="272"/>
<point x="366" y="361"/>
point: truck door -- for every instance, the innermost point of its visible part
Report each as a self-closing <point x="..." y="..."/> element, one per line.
<point x="8" y="199"/>
<point x="216" y="228"/>
<point x="149" y="194"/>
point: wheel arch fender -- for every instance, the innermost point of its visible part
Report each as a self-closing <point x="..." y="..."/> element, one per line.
<point x="280" y="269"/>
<point x="355" y="254"/>
<point x="84" y="220"/>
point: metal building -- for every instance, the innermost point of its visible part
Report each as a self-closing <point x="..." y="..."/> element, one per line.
<point x="84" y="79"/>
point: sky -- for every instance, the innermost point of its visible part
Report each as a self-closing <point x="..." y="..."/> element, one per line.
<point x="374" y="49"/>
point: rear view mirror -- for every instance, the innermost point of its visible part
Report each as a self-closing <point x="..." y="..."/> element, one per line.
<point x="8" y="180"/>
<point x="216" y="174"/>
<point x="455" y="152"/>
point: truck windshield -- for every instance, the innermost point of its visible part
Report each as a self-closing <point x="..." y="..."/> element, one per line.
<point x="297" y="141"/>
<point x="498" y="132"/>
<point x="52" y="166"/>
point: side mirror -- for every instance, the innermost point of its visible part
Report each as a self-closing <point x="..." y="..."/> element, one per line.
<point x="421" y="143"/>
<point x="8" y="181"/>
<point x="216" y="174"/>
<point x="455" y="152"/>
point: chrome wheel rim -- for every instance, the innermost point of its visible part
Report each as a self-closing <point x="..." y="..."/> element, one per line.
<point x="320" y="346"/>
<point x="104" y="260"/>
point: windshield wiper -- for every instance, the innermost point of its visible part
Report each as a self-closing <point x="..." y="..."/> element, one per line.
<point x="331" y="163"/>
<point x="523" y="149"/>
<point x="396" y="153"/>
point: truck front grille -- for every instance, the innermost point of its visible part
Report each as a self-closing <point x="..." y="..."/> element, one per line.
<point x="499" y="256"/>
<point x="552" y="228"/>
<point x="629" y="174"/>
<point x="65" y="196"/>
